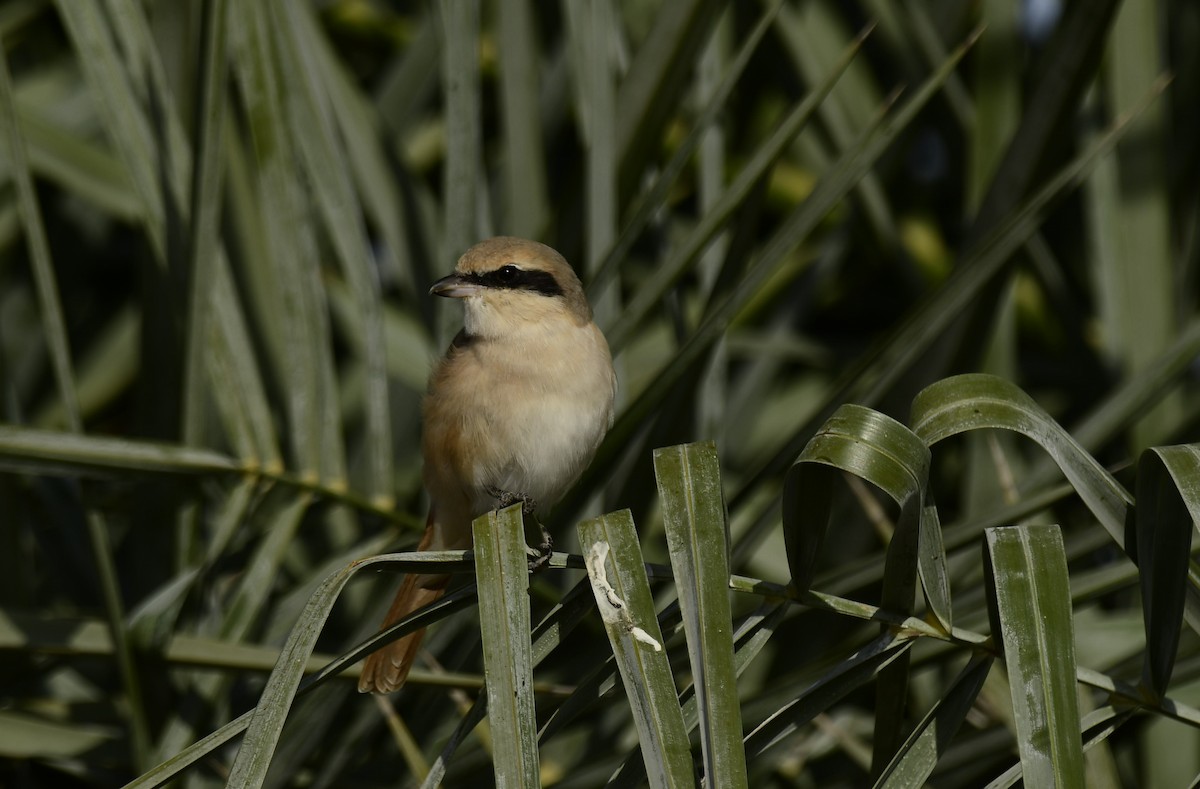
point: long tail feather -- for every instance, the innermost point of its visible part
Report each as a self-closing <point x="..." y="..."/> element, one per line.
<point x="386" y="669"/>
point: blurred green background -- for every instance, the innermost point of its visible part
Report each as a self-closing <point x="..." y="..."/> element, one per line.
<point x="219" y="221"/>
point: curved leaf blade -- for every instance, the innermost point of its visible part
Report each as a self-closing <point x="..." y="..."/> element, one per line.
<point x="973" y="401"/>
<point x="1168" y="506"/>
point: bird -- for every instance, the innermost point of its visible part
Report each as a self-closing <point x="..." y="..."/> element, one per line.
<point x="514" y="411"/>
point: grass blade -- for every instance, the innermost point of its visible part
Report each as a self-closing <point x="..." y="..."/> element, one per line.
<point x="689" y="484"/>
<point x="622" y="594"/>
<point x="203" y="240"/>
<point x="502" y="571"/>
<point x="1032" y="609"/>
<point x="916" y="760"/>
<point x="40" y="451"/>
<point x="847" y="676"/>
<point x="525" y="172"/>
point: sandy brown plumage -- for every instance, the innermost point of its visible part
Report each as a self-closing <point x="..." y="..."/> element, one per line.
<point x="519" y="403"/>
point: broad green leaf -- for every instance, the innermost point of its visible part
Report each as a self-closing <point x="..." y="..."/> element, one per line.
<point x="1033" y="615"/>
<point x="969" y="402"/>
<point x="623" y="598"/>
<point x="598" y="89"/>
<point x="1166" y="518"/>
<point x="935" y="575"/>
<point x="502" y="572"/>
<point x="885" y="453"/>
<point x="869" y="445"/>
<point x="689" y="484"/>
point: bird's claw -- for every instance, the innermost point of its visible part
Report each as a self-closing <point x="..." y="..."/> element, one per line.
<point x="506" y="498"/>
<point x="539" y="558"/>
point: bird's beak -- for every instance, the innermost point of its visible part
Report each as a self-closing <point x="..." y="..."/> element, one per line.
<point x="454" y="287"/>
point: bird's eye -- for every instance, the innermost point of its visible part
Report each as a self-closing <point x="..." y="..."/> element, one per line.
<point x="507" y="273"/>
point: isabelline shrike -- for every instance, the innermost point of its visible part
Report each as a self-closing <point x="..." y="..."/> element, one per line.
<point x="515" y="410"/>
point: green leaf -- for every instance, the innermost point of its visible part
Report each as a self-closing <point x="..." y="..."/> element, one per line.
<point x="649" y="295"/>
<point x="869" y="445"/>
<point x="41" y="451"/>
<point x="525" y="170"/>
<point x="335" y="197"/>
<point x="689" y="484"/>
<point x="655" y="81"/>
<point x="1032" y="610"/>
<point x="654" y="198"/>
<point x="53" y="325"/>
<point x="931" y="563"/>
<point x="1166" y="515"/>
<point x="622" y="594"/>
<point x="502" y="572"/>
<point x="204" y="241"/>
<point x="285" y="291"/>
<point x="264" y="725"/>
<point x="883" y="452"/>
<point x="917" y="758"/>
<point x="460" y="70"/>
<point x="849" y="674"/>
<point x="970" y="402"/>
<point x="24" y="736"/>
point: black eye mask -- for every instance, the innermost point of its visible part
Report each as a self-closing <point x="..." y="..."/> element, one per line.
<point x="509" y="276"/>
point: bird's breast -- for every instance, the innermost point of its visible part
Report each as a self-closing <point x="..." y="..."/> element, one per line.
<point x="524" y="415"/>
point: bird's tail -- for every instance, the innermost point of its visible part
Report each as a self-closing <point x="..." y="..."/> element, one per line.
<point x="386" y="668"/>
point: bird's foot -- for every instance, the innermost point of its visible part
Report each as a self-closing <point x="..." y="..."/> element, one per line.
<point x="506" y="498"/>
<point x="539" y="557"/>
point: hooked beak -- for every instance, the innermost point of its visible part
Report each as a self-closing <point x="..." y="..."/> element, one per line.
<point x="454" y="287"/>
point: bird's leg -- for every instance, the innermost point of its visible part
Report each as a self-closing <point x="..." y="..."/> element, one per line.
<point x="541" y="554"/>
<point x="505" y="498"/>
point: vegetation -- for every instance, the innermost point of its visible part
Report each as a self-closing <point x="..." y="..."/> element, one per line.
<point x="903" y="298"/>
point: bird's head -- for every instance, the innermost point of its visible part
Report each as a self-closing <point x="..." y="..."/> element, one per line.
<point x="511" y="285"/>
